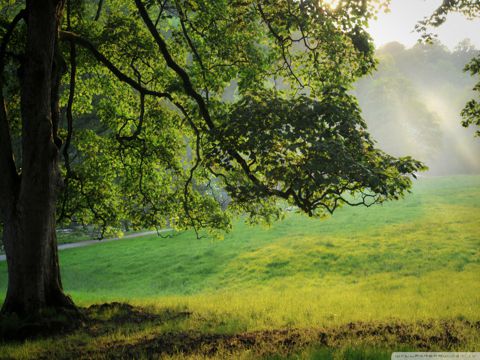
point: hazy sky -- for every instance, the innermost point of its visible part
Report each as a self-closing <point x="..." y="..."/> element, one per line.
<point x="398" y="25"/>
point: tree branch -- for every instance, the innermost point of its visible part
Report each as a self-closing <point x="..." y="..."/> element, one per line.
<point x="187" y="83"/>
<point x="79" y="40"/>
<point x="71" y="96"/>
<point x="188" y="86"/>
<point x="9" y="176"/>
<point x="202" y="106"/>
<point x="99" y="10"/>
<point x="281" y="42"/>
<point x="192" y="46"/>
<point x="138" y="129"/>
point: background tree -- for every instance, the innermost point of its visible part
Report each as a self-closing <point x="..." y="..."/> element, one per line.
<point x="471" y="9"/>
<point x="130" y="94"/>
<point x="412" y="105"/>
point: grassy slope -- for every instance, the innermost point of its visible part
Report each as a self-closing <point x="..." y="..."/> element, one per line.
<point x="409" y="260"/>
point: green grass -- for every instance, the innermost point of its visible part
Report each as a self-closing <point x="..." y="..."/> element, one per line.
<point x="414" y="260"/>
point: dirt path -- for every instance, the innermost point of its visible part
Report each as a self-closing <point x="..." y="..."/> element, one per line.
<point x="93" y="242"/>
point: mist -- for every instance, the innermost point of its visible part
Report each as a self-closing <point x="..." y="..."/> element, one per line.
<point x="412" y="105"/>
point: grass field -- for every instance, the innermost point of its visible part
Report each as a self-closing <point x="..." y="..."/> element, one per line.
<point x="412" y="264"/>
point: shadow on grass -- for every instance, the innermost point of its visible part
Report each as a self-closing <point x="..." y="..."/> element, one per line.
<point x="119" y="330"/>
<point x="117" y="314"/>
<point x="47" y="323"/>
<point x="94" y="321"/>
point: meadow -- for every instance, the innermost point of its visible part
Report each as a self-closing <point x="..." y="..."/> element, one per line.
<point x="360" y="284"/>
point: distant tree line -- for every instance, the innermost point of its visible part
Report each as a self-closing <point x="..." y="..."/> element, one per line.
<point x="412" y="104"/>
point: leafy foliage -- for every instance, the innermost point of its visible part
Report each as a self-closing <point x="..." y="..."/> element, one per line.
<point x="469" y="8"/>
<point x="471" y="111"/>
<point x="149" y="138"/>
<point x="317" y="150"/>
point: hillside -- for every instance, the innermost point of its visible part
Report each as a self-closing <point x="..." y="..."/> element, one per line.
<point x="395" y="251"/>
<point x="412" y="264"/>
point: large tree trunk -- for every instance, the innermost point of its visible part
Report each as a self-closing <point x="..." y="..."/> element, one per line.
<point x="29" y="233"/>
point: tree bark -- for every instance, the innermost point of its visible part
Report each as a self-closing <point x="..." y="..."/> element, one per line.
<point x="29" y="223"/>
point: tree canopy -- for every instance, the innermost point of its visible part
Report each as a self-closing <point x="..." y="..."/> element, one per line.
<point x="147" y="137"/>
<point x="133" y="95"/>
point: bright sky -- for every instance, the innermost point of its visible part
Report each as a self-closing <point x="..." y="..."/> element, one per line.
<point x="399" y="24"/>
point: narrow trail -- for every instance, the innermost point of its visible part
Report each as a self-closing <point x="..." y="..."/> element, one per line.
<point x="93" y="242"/>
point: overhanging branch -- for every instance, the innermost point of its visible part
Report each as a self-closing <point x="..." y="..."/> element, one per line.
<point x="81" y="41"/>
<point x="191" y="92"/>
